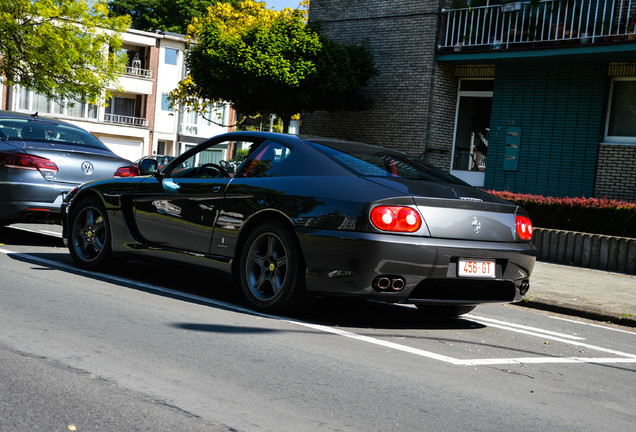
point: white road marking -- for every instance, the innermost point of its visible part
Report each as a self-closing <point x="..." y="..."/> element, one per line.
<point x="527" y="329"/>
<point x="622" y="357"/>
<point x="38" y="231"/>
<point x="592" y="325"/>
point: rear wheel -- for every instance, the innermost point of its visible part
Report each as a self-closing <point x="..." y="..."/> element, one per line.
<point x="271" y="269"/>
<point x="444" y="311"/>
<point x="89" y="234"/>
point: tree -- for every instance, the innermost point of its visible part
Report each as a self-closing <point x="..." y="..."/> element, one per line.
<point x="60" y="48"/>
<point x="264" y="61"/>
<point x="168" y="15"/>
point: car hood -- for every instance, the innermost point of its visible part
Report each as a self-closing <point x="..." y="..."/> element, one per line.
<point x="78" y="165"/>
<point x="457" y="211"/>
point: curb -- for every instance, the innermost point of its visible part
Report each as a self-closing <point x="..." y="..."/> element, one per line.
<point x="580" y="311"/>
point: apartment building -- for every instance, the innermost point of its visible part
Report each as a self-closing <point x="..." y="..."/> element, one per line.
<point x="136" y="120"/>
<point x="532" y="97"/>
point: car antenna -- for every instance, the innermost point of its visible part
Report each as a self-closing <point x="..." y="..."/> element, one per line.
<point x="35" y="115"/>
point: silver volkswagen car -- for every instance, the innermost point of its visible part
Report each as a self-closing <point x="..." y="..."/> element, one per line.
<point x="42" y="159"/>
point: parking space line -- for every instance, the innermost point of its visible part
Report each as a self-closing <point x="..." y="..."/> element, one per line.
<point x="539" y="331"/>
<point x="623" y="357"/>
<point x="593" y="325"/>
<point x="554" y="338"/>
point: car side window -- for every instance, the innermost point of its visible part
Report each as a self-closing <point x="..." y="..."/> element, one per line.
<point x="261" y="159"/>
<point x="204" y="164"/>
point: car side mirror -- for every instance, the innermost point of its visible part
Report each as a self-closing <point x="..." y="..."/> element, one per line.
<point x="148" y="166"/>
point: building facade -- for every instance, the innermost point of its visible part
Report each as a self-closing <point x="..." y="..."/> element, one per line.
<point x="532" y="98"/>
<point x="137" y="119"/>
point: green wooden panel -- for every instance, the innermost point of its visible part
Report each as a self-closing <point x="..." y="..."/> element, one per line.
<point x="559" y="107"/>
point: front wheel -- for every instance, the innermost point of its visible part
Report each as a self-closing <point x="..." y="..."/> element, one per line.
<point x="271" y="269"/>
<point x="444" y="311"/>
<point x="89" y="235"/>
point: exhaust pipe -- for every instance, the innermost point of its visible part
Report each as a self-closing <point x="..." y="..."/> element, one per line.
<point x="524" y="287"/>
<point x="397" y="284"/>
<point x="389" y="283"/>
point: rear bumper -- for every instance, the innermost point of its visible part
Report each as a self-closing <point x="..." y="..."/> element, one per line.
<point x="31" y="202"/>
<point x="347" y="263"/>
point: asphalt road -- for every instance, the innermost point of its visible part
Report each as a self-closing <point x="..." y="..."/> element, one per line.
<point x="151" y="347"/>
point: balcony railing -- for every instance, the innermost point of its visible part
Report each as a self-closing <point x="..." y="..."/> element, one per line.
<point x="138" y="72"/>
<point x="126" y="120"/>
<point x="526" y="25"/>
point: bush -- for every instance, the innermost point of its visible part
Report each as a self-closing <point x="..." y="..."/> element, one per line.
<point x="591" y="215"/>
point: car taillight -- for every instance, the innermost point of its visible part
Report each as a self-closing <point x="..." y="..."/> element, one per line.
<point x="129" y="171"/>
<point x="396" y="218"/>
<point x="27" y="162"/>
<point x="524" y="228"/>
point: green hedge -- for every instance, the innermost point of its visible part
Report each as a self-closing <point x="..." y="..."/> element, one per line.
<point x="591" y="215"/>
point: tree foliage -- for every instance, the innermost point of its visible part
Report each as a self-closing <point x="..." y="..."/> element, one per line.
<point x="59" y="48"/>
<point x="264" y="61"/>
<point x="168" y="15"/>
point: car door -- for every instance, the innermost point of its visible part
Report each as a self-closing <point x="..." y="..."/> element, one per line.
<point x="255" y="187"/>
<point x="179" y="210"/>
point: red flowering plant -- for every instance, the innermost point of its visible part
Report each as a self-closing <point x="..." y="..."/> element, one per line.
<point x="590" y="215"/>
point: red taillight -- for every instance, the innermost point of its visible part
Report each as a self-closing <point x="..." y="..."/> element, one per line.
<point x="396" y="218"/>
<point x="524" y="228"/>
<point x="129" y="171"/>
<point x="27" y="162"/>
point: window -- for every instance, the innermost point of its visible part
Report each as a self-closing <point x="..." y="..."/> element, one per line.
<point x="262" y="158"/>
<point x="215" y="114"/>
<point x="203" y="164"/>
<point x="621" y="119"/>
<point x="472" y="126"/>
<point x="121" y="106"/>
<point x="35" y="102"/>
<point x="370" y="161"/>
<point x="165" y="103"/>
<point x="42" y="130"/>
<point x="172" y="55"/>
<point x="190" y="121"/>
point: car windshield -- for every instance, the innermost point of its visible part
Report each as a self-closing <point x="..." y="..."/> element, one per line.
<point x="372" y="161"/>
<point x="18" y="129"/>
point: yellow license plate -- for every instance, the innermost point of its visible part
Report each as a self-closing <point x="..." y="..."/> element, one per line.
<point x="476" y="268"/>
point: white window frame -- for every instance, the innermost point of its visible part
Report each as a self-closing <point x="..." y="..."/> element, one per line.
<point x="474" y="178"/>
<point x="616" y="139"/>
<point x="61" y="111"/>
<point x="165" y="56"/>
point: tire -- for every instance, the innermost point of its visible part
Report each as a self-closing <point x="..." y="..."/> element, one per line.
<point x="444" y="311"/>
<point x="88" y="235"/>
<point x="271" y="271"/>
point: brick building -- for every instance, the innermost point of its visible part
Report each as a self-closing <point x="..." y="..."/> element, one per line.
<point x="533" y="99"/>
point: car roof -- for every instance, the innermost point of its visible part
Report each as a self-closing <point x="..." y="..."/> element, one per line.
<point x="34" y="116"/>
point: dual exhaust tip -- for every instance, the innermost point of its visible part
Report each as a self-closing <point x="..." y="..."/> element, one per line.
<point x="388" y="283"/>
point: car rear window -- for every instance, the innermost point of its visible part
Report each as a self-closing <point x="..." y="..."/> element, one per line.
<point x="373" y="161"/>
<point x="17" y="129"/>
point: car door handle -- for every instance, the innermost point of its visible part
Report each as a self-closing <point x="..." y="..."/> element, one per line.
<point x="170" y="186"/>
<point x="216" y="189"/>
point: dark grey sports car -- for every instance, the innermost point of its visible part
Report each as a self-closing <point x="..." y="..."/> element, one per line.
<point x="304" y="215"/>
<point x="42" y="159"/>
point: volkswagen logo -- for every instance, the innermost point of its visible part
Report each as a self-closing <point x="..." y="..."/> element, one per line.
<point x="476" y="225"/>
<point x="87" y="168"/>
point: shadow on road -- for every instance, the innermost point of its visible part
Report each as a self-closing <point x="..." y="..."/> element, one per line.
<point x="17" y="237"/>
<point x="219" y="287"/>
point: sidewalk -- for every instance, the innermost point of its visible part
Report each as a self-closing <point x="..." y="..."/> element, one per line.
<point x="583" y="292"/>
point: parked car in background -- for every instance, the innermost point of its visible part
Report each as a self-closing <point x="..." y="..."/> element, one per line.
<point x="42" y="159"/>
<point x="312" y="216"/>
<point x="150" y="164"/>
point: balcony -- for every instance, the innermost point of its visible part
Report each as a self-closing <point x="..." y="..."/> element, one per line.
<point x="527" y="25"/>
<point x="125" y="120"/>
<point x="138" y="72"/>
